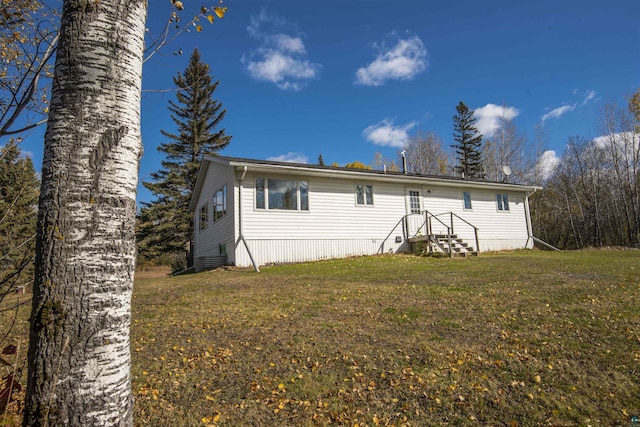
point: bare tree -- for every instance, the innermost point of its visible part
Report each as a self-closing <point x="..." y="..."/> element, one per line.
<point x="621" y="141"/>
<point x="28" y="41"/>
<point x="425" y="154"/>
<point x="380" y="162"/>
<point x="508" y="147"/>
<point x="28" y="36"/>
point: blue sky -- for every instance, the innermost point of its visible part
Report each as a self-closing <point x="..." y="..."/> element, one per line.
<point x="351" y="78"/>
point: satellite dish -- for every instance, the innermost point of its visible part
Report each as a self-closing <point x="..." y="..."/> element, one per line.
<point x="506" y="170"/>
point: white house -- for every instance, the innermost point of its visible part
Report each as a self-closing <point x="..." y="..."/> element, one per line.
<point x="260" y="212"/>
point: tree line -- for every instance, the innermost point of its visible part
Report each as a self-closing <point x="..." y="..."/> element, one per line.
<point x="592" y="197"/>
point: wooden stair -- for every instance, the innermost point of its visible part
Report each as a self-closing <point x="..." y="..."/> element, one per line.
<point x="440" y="243"/>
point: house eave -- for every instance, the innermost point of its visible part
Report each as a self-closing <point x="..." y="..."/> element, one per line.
<point x="299" y="169"/>
<point x="374" y="176"/>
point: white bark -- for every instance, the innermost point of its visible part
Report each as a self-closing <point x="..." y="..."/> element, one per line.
<point x="79" y="357"/>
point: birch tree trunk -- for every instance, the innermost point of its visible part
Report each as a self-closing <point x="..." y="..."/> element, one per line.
<point x="79" y="357"/>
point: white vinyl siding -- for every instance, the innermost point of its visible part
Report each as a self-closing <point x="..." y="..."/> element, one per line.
<point x="219" y="232"/>
<point x="496" y="231"/>
<point x="329" y="223"/>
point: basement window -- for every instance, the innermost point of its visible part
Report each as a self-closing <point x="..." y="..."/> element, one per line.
<point x="502" y="201"/>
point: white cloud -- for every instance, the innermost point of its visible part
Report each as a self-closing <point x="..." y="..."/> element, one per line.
<point x="401" y="62"/>
<point x="291" y="157"/>
<point x="624" y="143"/>
<point x="557" y="112"/>
<point x="488" y="117"/>
<point x="547" y="163"/>
<point x="589" y="96"/>
<point x="287" y="43"/>
<point x="280" y="58"/>
<point x="385" y="133"/>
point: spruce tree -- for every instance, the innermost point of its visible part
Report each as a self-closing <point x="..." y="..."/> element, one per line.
<point x="468" y="145"/>
<point x="19" y="187"/>
<point x="165" y="226"/>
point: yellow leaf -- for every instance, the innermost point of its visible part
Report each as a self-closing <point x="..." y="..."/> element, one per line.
<point x="216" y="418"/>
<point x="537" y="378"/>
<point x="220" y="11"/>
<point x="210" y="18"/>
<point x="198" y="28"/>
<point x="178" y="4"/>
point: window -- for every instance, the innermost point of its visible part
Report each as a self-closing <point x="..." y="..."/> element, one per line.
<point x="502" y="200"/>
<point x="220" y="203"/>
<point x="364" y="195"/>
<point x="204" y="216"/>
<point x="281" y="194"/>
<point x="260" y="193"/>
<point x="466" y="197"/>
<point x="222" y="248"/>
<point x="414" y="201"/>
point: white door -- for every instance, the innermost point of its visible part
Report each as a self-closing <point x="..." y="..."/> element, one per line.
<point x="415" y="218"/>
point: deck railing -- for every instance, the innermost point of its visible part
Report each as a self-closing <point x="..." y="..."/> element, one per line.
<point x="425" y="221"/>
<point x="465" y="222"/>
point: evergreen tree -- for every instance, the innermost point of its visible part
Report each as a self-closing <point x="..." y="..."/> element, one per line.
<point x="468" y="145"/>
<point x="320" y="160"/>
<point x="18" y="201"/>
<point x="164" y="225"/>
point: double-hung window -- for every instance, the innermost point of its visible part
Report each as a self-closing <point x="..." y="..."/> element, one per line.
<point x="282" y="194"/>
<point x="204" y="216"/>
<point x="364" y="195"/>
<point x="220" y="203"/>
<point x="502" y="202"/>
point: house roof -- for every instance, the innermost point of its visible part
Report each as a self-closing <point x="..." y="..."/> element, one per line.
<point x="267" y="166"/>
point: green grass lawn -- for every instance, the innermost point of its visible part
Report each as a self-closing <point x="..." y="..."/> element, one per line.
<point x="508" y="339"/>
<point x="518" y="339"/>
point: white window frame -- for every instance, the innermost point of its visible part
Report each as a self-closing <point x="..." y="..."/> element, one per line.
<point x="204" y="217"/>
<point x="464" y="201"/>
<point x="216" y="203"/>
<point x="502" y="202"/>
<point x="362" y="189"/>
<point x="302" y="195"/>
<point x="415" y="196"/>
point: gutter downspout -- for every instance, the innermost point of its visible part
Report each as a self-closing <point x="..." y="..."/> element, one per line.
<point x="527" y="214"/>
<point x="255" y="266"/>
